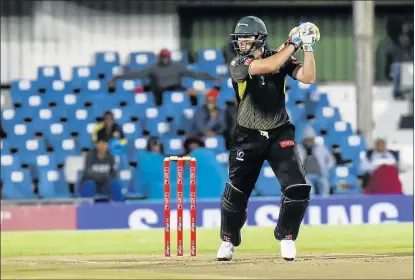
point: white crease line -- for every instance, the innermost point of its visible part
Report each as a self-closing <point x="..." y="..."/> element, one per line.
<point x="75" y="261"/>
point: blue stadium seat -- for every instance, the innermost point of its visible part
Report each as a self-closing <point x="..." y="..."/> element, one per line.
<point x="80" y="76"/>
<point x="136" y="147"/>
<point x="45" y="117"/>
<point x="336" y="131"/>
<point x="32" y="148"/>
<point x="173" y="146"/>
<point x="132" y="130"/>
<point x="4" y="147"/>
<point x="211" y="177"/>
<point x="343" y="175"/>
<point x="20" y="134"/>
<point x="9" y="118"/>
<point x="48" y="73"/>
<point x="324" y="117"/>
<point x="107" y="59"/>
<point x="210" y="57"/>
<point x="95" y="88"/>
<point x="84" y="139"/>
<point x="151" y="175"/>
<point x="351" y="148"/>
<point x="45" y="162"/>
<point x="52" y="184"/>
<point x="64" y="148"/>
<point x="126" y="88"/>
<point x="126" y="177"/>
<point x="17" y="184"/>
<point x="56" y="131"/>
<point x="267" y="184"/>
<point x="215" y="143"/>
<point x="34" y="101"/>
<point x="296" y="113"/>
<point x="159" y="127"/>
<point x="186" y="119"/>
<point x="141" y="60"/>
<point x="21" y="90"/>
<point x="323" y="100"/>
<point x="197" y="85"/>
<point x="227" y="93"/>
<point x="178" y="100"/>
<point x="9" y="162"/>
<point x="180" y="56"/>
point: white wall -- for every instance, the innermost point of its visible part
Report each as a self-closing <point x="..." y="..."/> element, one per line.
<point x="67" y="35"/>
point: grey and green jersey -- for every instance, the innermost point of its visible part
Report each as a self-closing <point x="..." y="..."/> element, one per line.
<point x="261" y="98"/>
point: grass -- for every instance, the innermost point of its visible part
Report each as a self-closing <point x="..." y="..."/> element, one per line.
<point x="385" y="238"/>
<point x="327" y="252"/>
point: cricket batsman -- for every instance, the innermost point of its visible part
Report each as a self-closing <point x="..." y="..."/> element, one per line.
<point x="264" y="131"/>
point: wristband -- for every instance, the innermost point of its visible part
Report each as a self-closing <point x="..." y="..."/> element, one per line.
<point x="308" y="47"/>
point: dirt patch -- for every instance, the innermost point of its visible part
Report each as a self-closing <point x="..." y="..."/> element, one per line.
<point x="324" y="266"/>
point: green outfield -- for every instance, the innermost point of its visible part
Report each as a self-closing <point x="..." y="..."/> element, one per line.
<point x="323" y="252"/>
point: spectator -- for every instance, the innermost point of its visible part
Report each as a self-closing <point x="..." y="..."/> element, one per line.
<point x="191" y="143"/>
<point x="165" y="75"/>
<point x="154" y="145"/>
<point x="108" y="129"/>
<point x="393" y="50"/>
<point x="230" y="121"/>
<point x="384" y="180"/>
<point x="99" y="176"/>
<point x="317" y="162"/>
<point x="209" y="120"/>
<point x="380" y="156"/>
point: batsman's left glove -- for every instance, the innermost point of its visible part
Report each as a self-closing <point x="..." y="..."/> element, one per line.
<point x="309" y="34"/>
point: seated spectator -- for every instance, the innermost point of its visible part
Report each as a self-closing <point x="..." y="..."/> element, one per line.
<point x="154" y="145"/>
<point x="99" y="176"/>
<point x="384" y="180"/>
<point x="380" y="156"/>
<point x="165" y="76"/>
<point x="376" y="158"/>
<point x="108" y="129"/>
<point x="191" y="143"/>
<point x="317" y="162"/>
<point x="230" y="122"/>
<point x="209" y="119"/>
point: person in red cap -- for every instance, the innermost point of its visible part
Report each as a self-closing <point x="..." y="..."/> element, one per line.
<point x="166" y="75"/>
<point x="209" y="119"/>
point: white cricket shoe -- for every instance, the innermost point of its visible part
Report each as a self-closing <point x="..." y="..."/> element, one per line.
<point x="288" y="250"/>
<point x="225" y="251"/>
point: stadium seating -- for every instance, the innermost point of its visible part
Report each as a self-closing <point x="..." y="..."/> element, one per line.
<point x="53" y="119"/>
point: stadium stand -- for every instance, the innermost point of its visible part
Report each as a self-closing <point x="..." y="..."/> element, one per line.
<point x="52" y="120"/>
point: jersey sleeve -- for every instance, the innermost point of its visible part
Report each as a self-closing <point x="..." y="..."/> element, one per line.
<point x="291" y="67"/>
<point x="239" y="69"/>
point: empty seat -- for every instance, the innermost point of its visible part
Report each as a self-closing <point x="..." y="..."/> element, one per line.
<point x="215" y="143"/>
<point x="341" y="176"/>
<point x="173" y="146"/>
<point x="267" y="184"/>
<point x="17" y="184"/>
<point x="180" y="56"/>
<point x="48" y="73"/>
<point x="21" y="90"/>
<point x="141" y="60"/>
<point x="107" y="59"/>
<point x="52" y="184"/>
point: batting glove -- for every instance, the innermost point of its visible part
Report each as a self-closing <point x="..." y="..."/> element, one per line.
<point x="309" y="34"/>
<point x="294" y="38"/>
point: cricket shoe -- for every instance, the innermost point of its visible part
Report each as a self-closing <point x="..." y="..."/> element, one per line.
<point x="288" y="250"/>
<point x="225" y="251"/>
